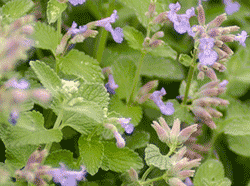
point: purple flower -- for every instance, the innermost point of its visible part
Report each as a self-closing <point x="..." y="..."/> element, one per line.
<point x="223" y="84"/>
<point x="242" y="38"/>
<point x="116" y="33"/>
<point x="76" y="2"/>
<point x="111" y="86"/>
<point x="181" y="22"/>
<point x="166" y="109"/>
<point x="22" y="84"/>
<point x="207" y="55"/>
<point x="231" y="7"/>
<point x="65" y="177"/>
<point x="73" y="30"/>
<point x="129" y="128"/>
<point x="14" y="115"/>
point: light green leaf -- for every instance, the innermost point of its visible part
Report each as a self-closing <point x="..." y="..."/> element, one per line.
<point x="121" y="159"/>
<point x="83" y="117"/>
<point x="47" y="76"/>
<point x="211" y="173"/>
<point x="17" y="157"/>
<point x="239" y="144"/>
<point x="124" y="72"/>
<point x="137" y="140"/>
<point x="105" y="163"/>
<point x="17" y="8"/>
<point x="192" y="89"/>
<point x="91" y="154"/>
<point x="60" y="156"/>
<point x="134" y="37"/>
<point x="164" y="51"/>
<point x="154" y="157"/>
<point x="236" y="108"/>
<point x="94" y="92"/>
<point x="83" y="66"/>
<point x="237" y="126"/>
<point x="46" y="37"/>
<point x="55" y="10"/>
<point x="30" y="130"/>
<point x="185" y="59"/>
<point x="165" y="68"/>
<point x="133" y="112"/>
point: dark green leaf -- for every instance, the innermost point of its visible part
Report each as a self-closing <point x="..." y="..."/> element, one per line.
<point x="137" y="140"/>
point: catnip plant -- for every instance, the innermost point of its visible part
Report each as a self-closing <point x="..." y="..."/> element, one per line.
<point x="82" y="87"/>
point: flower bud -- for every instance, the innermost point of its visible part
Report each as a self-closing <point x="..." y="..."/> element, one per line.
<point x="164" y="124"/>
<point x="201" y="15"/>
<point x="161" y="18"/>
<point x="156" y="43"/>
<point x="19" y="96"/>
<point x="143" y="92"/>
<point x="221" y="53"/>
<point x="210" y="92"/>
<point x="214" y="32"/>
<point x="206" y="101"/>
<point x="157" y="35"/>
<point x="204" y="116"/>
<point x="218" y="43"/>
<point x="193" y="163"/>
<point x="214" y="112"/>
<point x="133" y="174"/>
<point x="41" y="95"/>
<point x="222" y="102"/>
<point x="217" y="21"/>
<point x="220" y="67"/>
<point x="227" y="49"/>
<point x="226" y="38"/>
<point x="161" y="133"/>
<point x="185" y="173"/>
<point x="229" y="29"/>
<point x="211" y="74"/>
<point x="209" y="85"/>
<point x="176" y="182"/>
<point x="179" y="155"/>
<point x="186" y="133"/>
<point x="120" y="142"/>
<point x="175" y="129"/>
<point x="201" y="75"/>
<point x="151" y="9"/>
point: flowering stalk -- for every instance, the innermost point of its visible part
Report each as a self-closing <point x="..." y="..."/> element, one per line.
<point x="190" y="77"/>
<point x="102" y="37"/>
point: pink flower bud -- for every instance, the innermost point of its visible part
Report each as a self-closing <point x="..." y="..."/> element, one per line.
<point x="175" y="129"/>
<point x="217" y="21"/>
<point x="211" y="74"/>
<point x="220" y="67"/>
<point x="214" y="112"/>
<point x="227" y="30"/>
<point x="120" y="142"/>
<point x="133" y="174"/>
<point x="201" y="75"/>
<point x="41" y="95"/>
<point x="179" y="155"/>
<point x="204" y="116"/>
<point x="186" y="133"/>
<point x="19" y="96"/>
<point x="164" y="125"/>
<point x="175" y="182"/>
<point x="193" y="163"/>
<point x="161" y="18"/>
<point x="210" y="85"/>
<point x="201" y="15"/>
<point x="227" y="38"/>
<point x="162" y="134"/>
<point x="227" y="50"/>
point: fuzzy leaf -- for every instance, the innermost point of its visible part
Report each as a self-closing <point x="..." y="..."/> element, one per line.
<point x="83" y="66"/>
<point x="185" y="60"/>
<point x="124" y="72"/>
<point x="211" y="173"/>
<point x="91" y="154"/>
<point x="164" y="51"/>
<point x="134" y="37"/>
<point x="121" y="159"/>
<point x="47" y="76"/>
<point x="137" y="140"/>
<point x="60" y="156"/>
<point x="154" y="157"/>
<point x="17" y="8"/>
<point x="30" y="130"/>
<point x="237" y="126"/>
<point x="239" y="144"/>
<point x="46" y="37"/>
<point x="133" y="112"/>
<point x="83" y="117"/>
<point x="55" y="10"/>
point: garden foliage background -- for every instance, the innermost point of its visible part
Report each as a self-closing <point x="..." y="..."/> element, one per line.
<point x="70" y="140"/>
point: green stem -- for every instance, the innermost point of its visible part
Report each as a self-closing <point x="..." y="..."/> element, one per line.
<point x="102" y="37"/>
<point x="215" y="136"/>
<point x="151" y="180"/>
<point x="92" y="134"/>
<point x="147" y="172"/>
<point x="190" y="77"/>
<point x="59" y="25"/>
<point x="136" y="78"/>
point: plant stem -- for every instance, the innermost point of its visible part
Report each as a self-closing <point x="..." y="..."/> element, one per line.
<point x="151" y="180"/>
<point x="147" y="172"/>
<point x="136" y="78"/>
<point x="102" y="37"/>
<point x="59" y="22"/>
<point x="190" y="77"/>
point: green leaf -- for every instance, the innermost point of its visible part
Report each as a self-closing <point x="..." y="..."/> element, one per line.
<point x="124" y="72"/>
<point x="83" y="66"/>
<point x="46" y="37"/>
<point x="30" y="130"/>
<point x="185" y="60"/>
<point x="60" y="156"/>
<point x="47" y="76"/>
<point x="17" y="157"/>
<point x="94" y="92"/>
<point x="239" y="144"/>
<point x="17" y="8"/>
<point x="55" y="10"/>
<point x="211" y="173"/>
<point x="134" y="112"/>
<point x="238" y="70"/>
<point x="121" y="159"/>
<point x="237" y="126"/>
<point x="165" y="68"/>
<point x="192" y="89"/>
<point x="91" y="154"/>
<point x="137" y="140"/>
<point x="134" y="37"/>
<point x="164" y="51"/>
<point x="154" y="157"/>
<point x="83" y="117"/>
